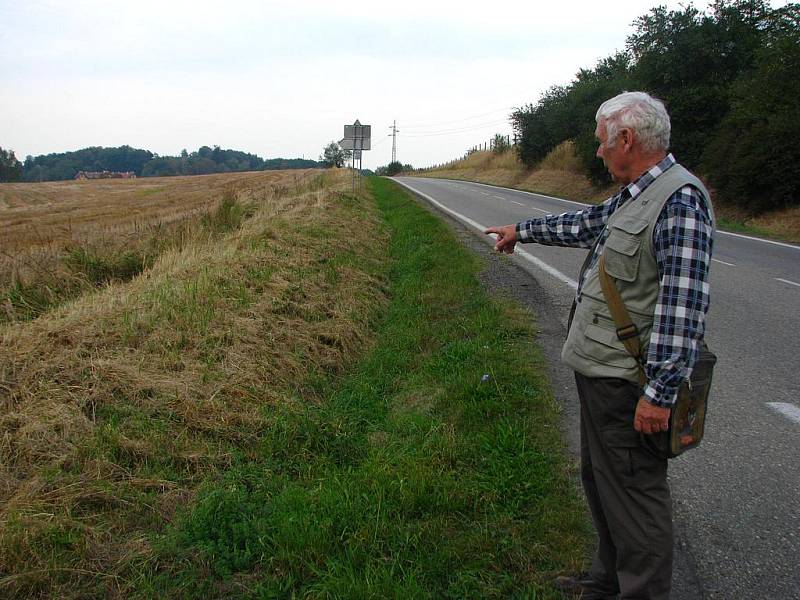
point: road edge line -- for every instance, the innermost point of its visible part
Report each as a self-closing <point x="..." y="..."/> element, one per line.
<point x="550" y="270"/>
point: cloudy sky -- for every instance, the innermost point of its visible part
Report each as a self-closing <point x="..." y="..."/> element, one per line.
<point x="280" y="79"/>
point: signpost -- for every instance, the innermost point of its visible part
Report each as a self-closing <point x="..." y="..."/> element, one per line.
<point x="357" y="138"/>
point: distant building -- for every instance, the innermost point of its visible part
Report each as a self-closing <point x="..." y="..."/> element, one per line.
<point x="105" y="175"/>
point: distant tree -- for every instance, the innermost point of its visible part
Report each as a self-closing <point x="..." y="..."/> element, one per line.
<point x="53" y="167"/>
<point x="393" y="168"/>
<point x="500" y="143"/>
<point x="10" y="167"/>
<point x="334" y="155"/>
<point x="65" y="165"/>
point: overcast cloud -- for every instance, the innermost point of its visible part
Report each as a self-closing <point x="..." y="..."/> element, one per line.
<point x="280" y="79"/>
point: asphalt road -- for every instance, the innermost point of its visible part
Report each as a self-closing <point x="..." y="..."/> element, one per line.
<point x="736" y="496"/>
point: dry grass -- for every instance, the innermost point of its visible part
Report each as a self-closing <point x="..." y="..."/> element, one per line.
<point x="559" y="174"/>
<point x="780" y="224"/>
<point x="41" y="224"/>
<point x="115" y="405"/>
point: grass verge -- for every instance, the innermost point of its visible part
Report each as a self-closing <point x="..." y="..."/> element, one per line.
<point x="434" y="468"/>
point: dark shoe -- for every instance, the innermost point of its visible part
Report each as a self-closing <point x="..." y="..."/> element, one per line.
<point x="584" y="587"/>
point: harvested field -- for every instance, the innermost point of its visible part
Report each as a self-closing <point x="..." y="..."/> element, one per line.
<point x="63" y="212"/>
<point x="59" y="239"/>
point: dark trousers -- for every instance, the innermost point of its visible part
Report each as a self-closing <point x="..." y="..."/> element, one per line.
<point x="624" y="476"/>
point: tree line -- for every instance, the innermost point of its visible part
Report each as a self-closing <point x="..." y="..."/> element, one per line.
<point x="729" y="79"/>
<point x="65" y="165"/>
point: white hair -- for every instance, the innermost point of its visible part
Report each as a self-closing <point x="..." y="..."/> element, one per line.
<point x="642" y="113"/>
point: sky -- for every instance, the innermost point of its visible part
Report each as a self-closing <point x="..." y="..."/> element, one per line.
<point x="281" y="79"/>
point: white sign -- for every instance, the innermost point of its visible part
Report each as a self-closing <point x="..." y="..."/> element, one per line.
<point x="354" y="144"/>
<point x="357" y="136"/>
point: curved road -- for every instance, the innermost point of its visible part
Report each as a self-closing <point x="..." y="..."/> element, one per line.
<point x="736" y="496"/>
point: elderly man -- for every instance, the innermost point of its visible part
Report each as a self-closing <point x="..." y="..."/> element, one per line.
<point x="655" y="237"/>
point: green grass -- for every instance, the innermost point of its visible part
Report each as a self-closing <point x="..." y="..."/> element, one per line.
<point x="413" y="476"/>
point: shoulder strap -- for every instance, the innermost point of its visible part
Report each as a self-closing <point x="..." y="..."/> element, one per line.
<point x="627" y="332"/>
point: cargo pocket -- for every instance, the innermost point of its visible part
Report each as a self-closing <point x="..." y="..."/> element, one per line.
<point x="622" y="248"/>
<point x="622" y="446"/>
<point x="603" y="346"/>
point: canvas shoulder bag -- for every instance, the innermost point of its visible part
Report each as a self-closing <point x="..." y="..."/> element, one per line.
<point x="688" y="417"/>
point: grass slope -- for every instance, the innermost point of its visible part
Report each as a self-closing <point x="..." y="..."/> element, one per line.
<point x="434" y="469"/>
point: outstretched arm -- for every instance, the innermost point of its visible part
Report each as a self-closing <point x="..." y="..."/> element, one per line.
<point x="578" y="229"/>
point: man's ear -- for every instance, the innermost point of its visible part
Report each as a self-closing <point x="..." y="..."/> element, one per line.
<point x="626" y="138"/>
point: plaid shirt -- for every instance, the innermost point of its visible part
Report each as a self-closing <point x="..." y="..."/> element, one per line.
<point x="682" y="240"/>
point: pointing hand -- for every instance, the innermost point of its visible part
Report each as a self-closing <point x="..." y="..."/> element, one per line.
<point x="506" y="238"/>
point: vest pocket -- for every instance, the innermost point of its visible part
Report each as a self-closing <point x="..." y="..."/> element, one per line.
<point x="622" y="249"/>
<point x="603" y="346"/>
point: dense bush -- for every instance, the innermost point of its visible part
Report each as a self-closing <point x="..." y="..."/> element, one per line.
<point x="754" y="158"/>
<point x="729" y="79"/>
<point x="393" y="168"/>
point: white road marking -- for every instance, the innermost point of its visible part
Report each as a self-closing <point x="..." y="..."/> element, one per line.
<point x="527" y="256"/>
<point x="755" y="239"/>
<point x="547" y="268"/>
<point x="501" y="197"/>
<point x="787" y="281"/>
<point x="722" y="262"/>
<point x="526" y="192"/>
<point x="515" y="202"/>
<point x="790" y="411"/>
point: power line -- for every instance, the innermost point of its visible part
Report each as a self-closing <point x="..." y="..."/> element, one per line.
<point x="459" y="130"/>
<point x="440" y="123"/>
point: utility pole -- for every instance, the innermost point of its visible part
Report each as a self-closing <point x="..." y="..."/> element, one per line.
<point x="394" y="141"/>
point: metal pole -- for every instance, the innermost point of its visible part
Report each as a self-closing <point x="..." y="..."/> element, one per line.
<point x="394" y="141"/>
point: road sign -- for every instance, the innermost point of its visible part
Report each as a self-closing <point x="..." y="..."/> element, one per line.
<point x="356" y="139"/>
<point x="354" y="144"/>
<point x="360" y="136"/>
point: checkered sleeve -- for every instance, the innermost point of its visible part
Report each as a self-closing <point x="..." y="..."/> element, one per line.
<point x="577" y="229"/>
<point x="683" y="243"/>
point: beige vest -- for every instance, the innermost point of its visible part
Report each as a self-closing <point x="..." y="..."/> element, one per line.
<point x="592" y="347"/>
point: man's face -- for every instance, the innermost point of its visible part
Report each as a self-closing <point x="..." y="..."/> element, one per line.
<point x="615" y="157"/>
